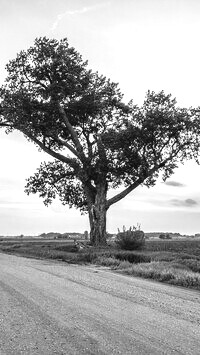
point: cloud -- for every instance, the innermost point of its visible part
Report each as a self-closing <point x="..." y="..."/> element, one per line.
<point x="191" y="202"/>
<point x="184" y="203"/>
<point x="174" y="183"/>
<point x="75" y="12"/>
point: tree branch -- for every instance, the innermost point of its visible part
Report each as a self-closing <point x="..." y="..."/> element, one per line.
<point x="73" y="134"/>
<point x="51" y="152"/>
<point x="67" y="145"/>
<point x="124" y="193"/>
<point x="133" y="186"/>
<point x="5" y="125"/>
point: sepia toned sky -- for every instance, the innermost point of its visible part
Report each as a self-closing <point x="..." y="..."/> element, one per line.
<point x="141" y="44"/>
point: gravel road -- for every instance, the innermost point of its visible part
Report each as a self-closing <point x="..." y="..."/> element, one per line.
<point x="54" y="308"/>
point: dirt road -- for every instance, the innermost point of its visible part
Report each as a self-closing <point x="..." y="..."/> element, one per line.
<point x="54" y="308"/>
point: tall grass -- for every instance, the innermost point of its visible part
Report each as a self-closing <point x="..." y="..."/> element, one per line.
<point x="161" y="271"/>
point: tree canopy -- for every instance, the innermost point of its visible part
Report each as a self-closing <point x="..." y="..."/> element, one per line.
<point x="98" y="142"/>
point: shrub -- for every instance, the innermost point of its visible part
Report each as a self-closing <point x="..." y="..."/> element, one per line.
<point x="192" y="264"/>
<point x="162" y="236"/>
<point x="131" y="257"/>
<point x="165" y="236"/>
<point x="68" y="248"/>
<point x="130" y="239"/>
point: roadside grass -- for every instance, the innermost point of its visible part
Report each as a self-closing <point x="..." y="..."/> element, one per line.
<point x="175" y="261"/>
<point x="162" y="271"/>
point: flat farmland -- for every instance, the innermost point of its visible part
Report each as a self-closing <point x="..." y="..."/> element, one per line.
<point x="177" y="245"/>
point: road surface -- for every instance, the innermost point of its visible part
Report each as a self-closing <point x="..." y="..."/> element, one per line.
<point x="49" y="307"/>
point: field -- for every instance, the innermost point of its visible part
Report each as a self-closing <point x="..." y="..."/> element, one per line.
<point x="173" y="261"/>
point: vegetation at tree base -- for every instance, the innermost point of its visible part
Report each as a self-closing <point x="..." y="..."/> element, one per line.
<point x="130" y="239"/>
<point x="79" y="118"/>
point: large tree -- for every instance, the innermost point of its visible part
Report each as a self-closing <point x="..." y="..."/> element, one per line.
<point x="98" y="142"/>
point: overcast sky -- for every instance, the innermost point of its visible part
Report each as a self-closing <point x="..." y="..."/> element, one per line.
<point x="141" y="44"/>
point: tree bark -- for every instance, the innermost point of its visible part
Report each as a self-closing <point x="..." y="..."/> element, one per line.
<point x="97" y="217"/>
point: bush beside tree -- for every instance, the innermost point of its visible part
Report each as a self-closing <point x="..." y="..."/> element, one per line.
<point x="130" y="239"/>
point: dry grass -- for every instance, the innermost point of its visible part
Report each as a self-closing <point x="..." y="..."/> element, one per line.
<point x="162" y="271"/>
<point x="112" y="262"/>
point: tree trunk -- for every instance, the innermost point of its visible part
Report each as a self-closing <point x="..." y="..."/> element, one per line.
<point x="97" y="217"/>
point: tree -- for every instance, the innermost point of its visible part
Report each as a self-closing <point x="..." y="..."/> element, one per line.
<point x="98" y="142"/>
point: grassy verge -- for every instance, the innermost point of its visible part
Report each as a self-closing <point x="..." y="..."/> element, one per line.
<point x="164" y="272"/>
<point x="174" y="262"/>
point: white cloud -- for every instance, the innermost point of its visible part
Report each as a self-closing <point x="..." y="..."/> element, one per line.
<point x="75" y="12"/>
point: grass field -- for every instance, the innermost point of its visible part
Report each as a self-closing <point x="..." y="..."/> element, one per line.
<point x="173" y="261"/>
